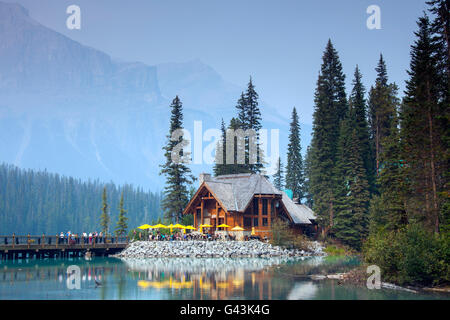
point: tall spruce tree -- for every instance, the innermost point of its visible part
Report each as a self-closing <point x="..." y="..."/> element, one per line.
<point x="178" y="174"/>
<point x="220" y="166"/>
<point x="358" y="105"/>
<point x="423" y="148"/>
<point x="388" y="209"/>
<point x="383" y="104"/>
<point x="278" y="179"/>
<point x="122" y="226"/>
<point x="352" y="186"/>
<point x="104" y="217"/>
<point x="441" y="30"/>
<point x="352" y="198"/>
<point x="294" y="169"/>
<point x="330" y="108"/>
<point x="307" y="174"/>
<point x="248" y="118"/>
<point x="352" y="171"/>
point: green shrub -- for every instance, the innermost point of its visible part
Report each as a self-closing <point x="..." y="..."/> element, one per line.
<point x="335" y="250"/>
<point x="283" y="236"/>
<point x="409" y="256"/>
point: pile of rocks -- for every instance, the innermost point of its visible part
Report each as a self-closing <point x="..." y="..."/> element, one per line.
<point x="195" y="248"/>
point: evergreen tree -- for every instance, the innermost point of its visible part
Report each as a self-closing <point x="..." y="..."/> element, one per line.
<point x="352" y="188"/>
<point x="294" y="169"/>
<point x="278" y="180"/>
<point x="220" y="165"/>
<point x="330" y="108"/>
<point x="441" y="30"/>
<point x="122" y="226"/>
<point x="249" y="117"/>
<point x="383" y="104"/>
<point x="358" y="105"/>
<point x="104" y="217"/>
<point x="388" y="210"/>
<point x="307" y="174"/>
<point x="178" y="175"/>
<point x="239" y="147"/>
<point x="423" y="148"/>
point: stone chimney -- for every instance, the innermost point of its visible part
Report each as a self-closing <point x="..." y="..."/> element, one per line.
<point x="204" y="177"/>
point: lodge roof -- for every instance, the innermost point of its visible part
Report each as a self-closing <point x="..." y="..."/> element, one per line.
<point x="235" y="191"/>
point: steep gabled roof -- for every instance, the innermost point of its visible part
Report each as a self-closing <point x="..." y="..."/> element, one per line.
<point x="236" y="191"/>
<point x="307" y="211"/>
<point x="298" y="216"/>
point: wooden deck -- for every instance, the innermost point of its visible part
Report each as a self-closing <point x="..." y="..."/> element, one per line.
<point x="41" y="247"/>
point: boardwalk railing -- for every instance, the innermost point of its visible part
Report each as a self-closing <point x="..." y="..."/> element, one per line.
<point x="45" y="241"/>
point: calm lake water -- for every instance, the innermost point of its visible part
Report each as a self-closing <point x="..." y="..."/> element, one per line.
<point x="187" y="278"/>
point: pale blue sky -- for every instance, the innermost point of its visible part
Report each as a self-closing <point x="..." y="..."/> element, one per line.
<point x="279" y="43"/>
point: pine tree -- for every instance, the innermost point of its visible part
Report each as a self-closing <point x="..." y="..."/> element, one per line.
<point x="330" y="108"/>
<point x="278" y="179"/>
<point x="422" y="131"/>
<point x="352" y="188"/>
<point x="104" y="217"/>
<point x="441" y="30"/>
<point x="352" y="171"/>
<point x="388" y="210"/>
<point x="239" y="148"/>
<point x="383" y="104"/>
<point x="249" y="117"/>
<point x="220" y="166"/>
<point x="357" y="103"/>
<point x="294" y="169"/>
<point x="307" y="174"/>
<point x="122" y="226"/>
<point x="178" y="175"/>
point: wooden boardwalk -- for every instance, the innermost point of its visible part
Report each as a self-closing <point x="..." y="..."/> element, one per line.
<point x="41" y="247"/>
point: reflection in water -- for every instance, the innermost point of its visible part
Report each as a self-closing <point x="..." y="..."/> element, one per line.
<point x="208" y="278"/>
<point x="186" y="278"/>
<point x="303" y="291"/>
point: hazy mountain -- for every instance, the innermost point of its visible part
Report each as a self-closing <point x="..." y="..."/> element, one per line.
<point x="74" y="110"/>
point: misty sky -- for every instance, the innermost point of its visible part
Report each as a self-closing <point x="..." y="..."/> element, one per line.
<point x="279" y="43"/>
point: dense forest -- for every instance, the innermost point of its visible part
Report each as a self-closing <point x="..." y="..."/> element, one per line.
<point x="39" y="202"/>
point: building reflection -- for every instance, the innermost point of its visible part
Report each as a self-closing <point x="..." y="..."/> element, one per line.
<point x="215" y="278"/>
<point x="170" y="278"/>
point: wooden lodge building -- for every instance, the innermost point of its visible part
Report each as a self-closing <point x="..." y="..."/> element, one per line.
<point x="249" y="201"/>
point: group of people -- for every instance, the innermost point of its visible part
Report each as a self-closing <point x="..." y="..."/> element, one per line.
<point x="85" y="238"/>
<point x="178" y="236"/>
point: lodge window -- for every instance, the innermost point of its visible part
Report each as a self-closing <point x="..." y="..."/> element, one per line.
<point x="247" y="222"/>
<point x="255" y="206"/>
<point x="265" y="222"/>
<point x="264" y="207"/>
<point x="255" y="222"/>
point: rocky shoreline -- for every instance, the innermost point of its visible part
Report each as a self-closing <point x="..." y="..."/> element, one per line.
<point x="200" y="249"/>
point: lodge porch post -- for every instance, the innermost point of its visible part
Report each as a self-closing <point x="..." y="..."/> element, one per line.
<point x="259" y="212"/>
<point x="201" y="212"/>
<point x="195" y="217"/>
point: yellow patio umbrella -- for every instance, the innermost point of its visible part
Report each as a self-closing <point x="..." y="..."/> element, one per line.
<point x="170" y="226"/>
<point x="190" y="228"/>
<point x="223" y="225"/>
<point x="204" y="226"/>
<point x="159" y="225"/>
<point x="237" y="228"/>
<point x="145" y="227"/>
<point x="179" y="226"/>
